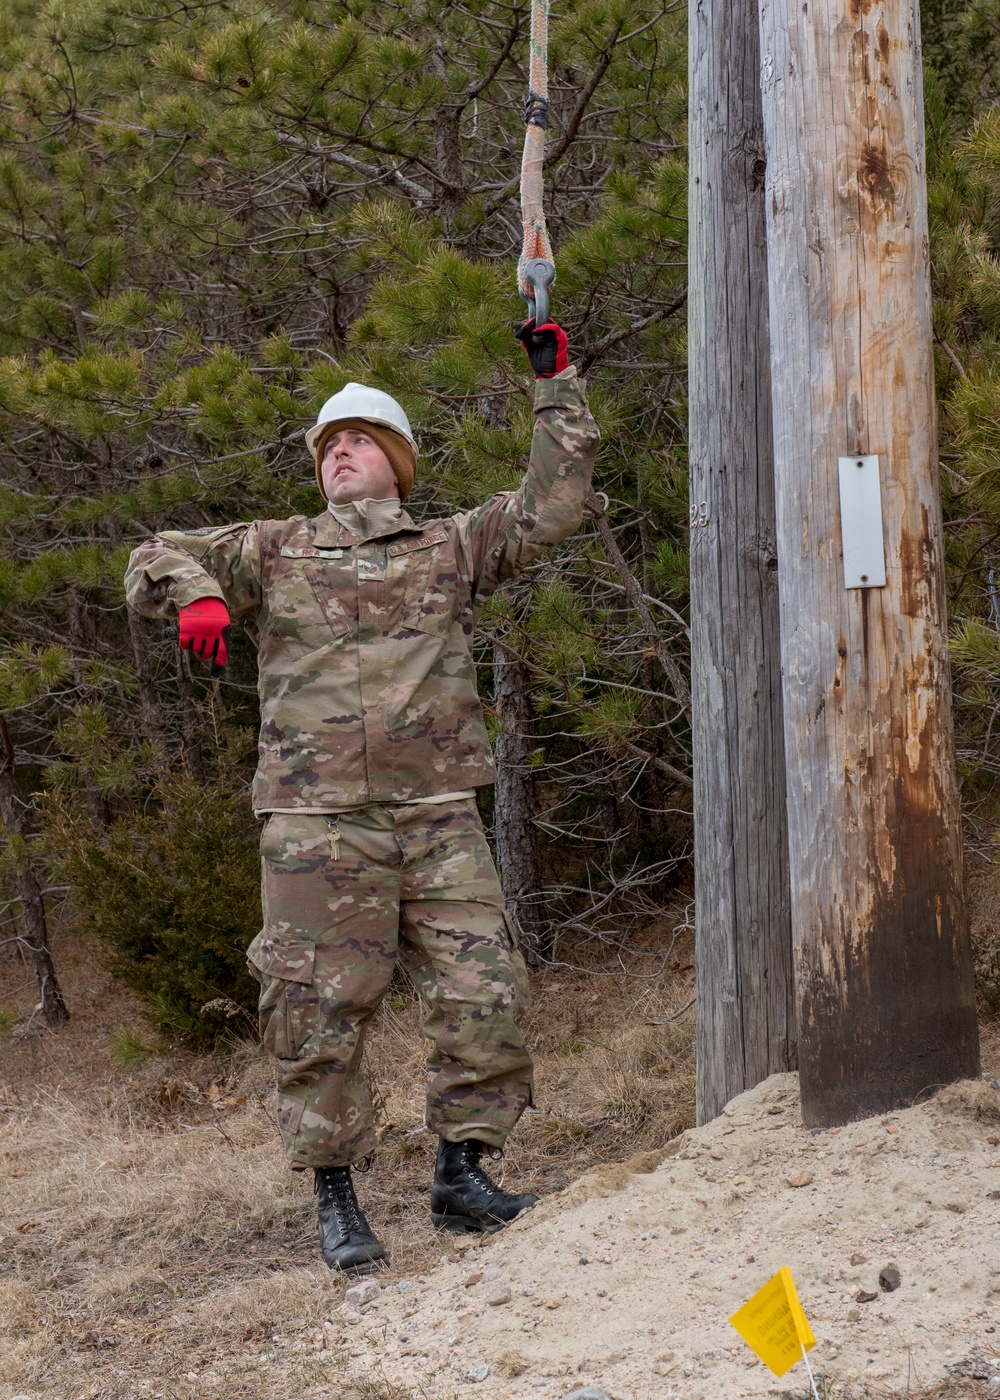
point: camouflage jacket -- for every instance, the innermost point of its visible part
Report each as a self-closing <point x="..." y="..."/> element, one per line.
<point x="365" y="671"/>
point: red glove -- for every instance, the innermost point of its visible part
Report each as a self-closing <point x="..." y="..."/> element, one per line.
<point x="546" y="347"/>
<point x="204" y="629"/>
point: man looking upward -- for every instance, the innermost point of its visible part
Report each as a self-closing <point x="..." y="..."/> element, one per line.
<point x="372" y="744"/>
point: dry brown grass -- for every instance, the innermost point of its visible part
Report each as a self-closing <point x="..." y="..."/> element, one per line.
<point x="152" y="1241"/>
<point x="948" y="1390"/>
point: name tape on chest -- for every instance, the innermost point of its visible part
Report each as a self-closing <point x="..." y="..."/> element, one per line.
<point x="310" y="552"/>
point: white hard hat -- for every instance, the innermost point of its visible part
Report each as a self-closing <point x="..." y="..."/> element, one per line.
<point x="370" y="405"/>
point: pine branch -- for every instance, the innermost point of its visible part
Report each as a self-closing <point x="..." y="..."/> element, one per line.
<point x="559" y="149"/>
<point x="592" y="353"/>
<point x="633" y="591"/>
<point x="389" y="174"/>
<point x="684" y="779"/>
<point x="474" y="89"/>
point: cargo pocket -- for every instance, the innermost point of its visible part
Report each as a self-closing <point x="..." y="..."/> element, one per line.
<point x="284" y="967"/>
<point x="522" y="988"/>
<point x="522" y="992"/>
<point x="303" y="602"/>
<point x="323" y="579"/>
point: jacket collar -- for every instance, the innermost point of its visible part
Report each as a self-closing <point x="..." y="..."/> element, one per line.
<point x="328" y="532"/>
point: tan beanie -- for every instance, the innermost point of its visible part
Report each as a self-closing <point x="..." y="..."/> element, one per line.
<point x="402" y="457"/>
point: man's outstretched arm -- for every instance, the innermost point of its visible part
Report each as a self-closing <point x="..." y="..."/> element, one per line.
<point x="201" y="577"/>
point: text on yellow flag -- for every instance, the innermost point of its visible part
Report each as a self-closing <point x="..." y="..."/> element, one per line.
<point x="773" y="1324"/>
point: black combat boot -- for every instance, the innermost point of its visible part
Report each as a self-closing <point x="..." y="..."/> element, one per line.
<point x="463" y="1198"/>
<point x="346" y="1238"/>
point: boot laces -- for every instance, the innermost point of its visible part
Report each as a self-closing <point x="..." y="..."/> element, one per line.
<point x="341" y="1197"/>
<point x="472" y="1154"/>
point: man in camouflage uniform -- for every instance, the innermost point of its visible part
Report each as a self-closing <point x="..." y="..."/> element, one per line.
<point x="372" y="744"/>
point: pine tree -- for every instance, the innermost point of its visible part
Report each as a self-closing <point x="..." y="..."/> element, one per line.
<point x="213" y="218"/>
<point x="963" y="141"/>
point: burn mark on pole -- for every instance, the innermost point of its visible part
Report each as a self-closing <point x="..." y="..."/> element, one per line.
<point x="840" y="677"/>
<point x="875" y="179"/>
<point x="882" y="41"/>
<point x="919" y="572"/>
<point x="900" y="1015"/>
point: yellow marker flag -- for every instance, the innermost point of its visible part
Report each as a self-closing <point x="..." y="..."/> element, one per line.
<point x="773" y="1324"/>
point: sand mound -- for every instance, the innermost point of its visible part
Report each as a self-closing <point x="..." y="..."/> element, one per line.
<point x="627" y="1278"/>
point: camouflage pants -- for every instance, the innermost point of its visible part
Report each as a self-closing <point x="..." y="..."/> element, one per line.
<point x="414" y="881"/>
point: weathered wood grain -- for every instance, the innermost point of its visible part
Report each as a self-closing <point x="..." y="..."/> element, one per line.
<point x="883" y="966"/>
<point x="743" y="932"/>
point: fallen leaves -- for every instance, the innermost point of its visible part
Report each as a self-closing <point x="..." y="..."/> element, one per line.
<point x="177" y="1093"/>
<point x="214" y="1094"/>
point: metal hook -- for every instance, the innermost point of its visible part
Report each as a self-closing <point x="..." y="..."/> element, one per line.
<point x="540" y="275"/>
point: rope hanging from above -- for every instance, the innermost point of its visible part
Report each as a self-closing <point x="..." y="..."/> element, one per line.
<point x="536" y="269"/>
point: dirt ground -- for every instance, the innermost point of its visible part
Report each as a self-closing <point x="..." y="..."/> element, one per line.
<point x="627" y="1279"/>
<point x="153" y="1244"/>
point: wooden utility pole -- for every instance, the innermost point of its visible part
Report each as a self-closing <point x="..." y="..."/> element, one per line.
<point x="743" y="947"/>
<point x="883" y="966"/>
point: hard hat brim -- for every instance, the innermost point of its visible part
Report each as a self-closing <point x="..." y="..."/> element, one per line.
<point x="319" y="430"/>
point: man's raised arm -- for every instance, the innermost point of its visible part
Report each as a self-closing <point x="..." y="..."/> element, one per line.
<point x="509" y="531"/>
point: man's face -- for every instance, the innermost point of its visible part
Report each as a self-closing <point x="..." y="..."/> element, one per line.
<point x="355" y="469"/>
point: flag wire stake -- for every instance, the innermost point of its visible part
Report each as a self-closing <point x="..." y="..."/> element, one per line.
<point x="812" y="1378"/>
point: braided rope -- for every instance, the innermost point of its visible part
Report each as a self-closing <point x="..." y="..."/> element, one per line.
<point x="535" y="240"/>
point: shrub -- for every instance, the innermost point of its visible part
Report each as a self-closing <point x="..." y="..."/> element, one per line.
<point x="987" y="962"/>
<point x="128" y="1049"/>
<point x="173" y="896"/>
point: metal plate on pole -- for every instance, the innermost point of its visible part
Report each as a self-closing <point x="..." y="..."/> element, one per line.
<point x="861" y="522"/>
